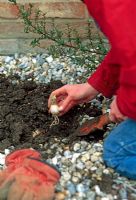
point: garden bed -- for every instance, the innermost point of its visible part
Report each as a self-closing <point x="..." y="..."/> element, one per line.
<point x="25" y="123"/>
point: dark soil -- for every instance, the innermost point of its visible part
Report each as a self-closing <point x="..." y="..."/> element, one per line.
<point x="23" y="111"/>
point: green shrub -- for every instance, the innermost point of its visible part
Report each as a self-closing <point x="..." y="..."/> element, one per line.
<point x="87" y="51"/>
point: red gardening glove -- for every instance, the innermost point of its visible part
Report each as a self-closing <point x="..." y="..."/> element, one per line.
<point x="15" y="160"/>
<point x="27" y="178"/>
<point x="35" y="180"/>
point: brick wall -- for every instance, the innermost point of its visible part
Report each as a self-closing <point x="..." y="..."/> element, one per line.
<point x="12" y="36"/>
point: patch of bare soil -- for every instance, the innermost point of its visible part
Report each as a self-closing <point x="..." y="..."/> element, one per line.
<point x="24" y="117"/>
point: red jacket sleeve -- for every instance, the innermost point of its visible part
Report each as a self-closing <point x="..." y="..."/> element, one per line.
<point x="106" y="78"/>
<point x="117" y="20"/>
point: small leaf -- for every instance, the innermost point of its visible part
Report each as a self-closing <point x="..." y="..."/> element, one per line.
<point x="13" y="1"/>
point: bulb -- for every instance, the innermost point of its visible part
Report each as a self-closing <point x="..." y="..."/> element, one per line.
<point x="54" y="109"/>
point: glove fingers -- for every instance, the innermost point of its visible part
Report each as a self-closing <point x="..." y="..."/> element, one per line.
<point x="27" y="195"/>
<point x="16" y="192"/>
<point x="47" y="192"/>
<point x="18" y="156"/>
<point x="3" y="176"/>
<point x="43" y="170"/>
<point x="4" y="189"/>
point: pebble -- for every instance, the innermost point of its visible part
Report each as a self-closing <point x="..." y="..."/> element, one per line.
<point x="7" y="151"/>
<point x="60" y="196"/>
<point x="71" y="188"/>
<point x="77" y="147"/>
<point x="80" y="188"/>
<point x="67" y="154"/>
<point x="2" y="159"/>
<point x="74" y="157"/>
<point x="80" y="165"/>
<point x="91" y="195"/>
<point x="66" y="176"/>
<point x="75" y="179"/>
<point x="49" y="59"/>
<point x="85" y="157"/>
<point x="106" y="171"/>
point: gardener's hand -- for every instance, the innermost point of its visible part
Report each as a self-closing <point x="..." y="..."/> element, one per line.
<point x="71" y="95"/>
<point x="115" y="114"/>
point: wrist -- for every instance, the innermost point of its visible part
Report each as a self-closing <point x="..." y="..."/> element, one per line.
<point x="91" y="89"/>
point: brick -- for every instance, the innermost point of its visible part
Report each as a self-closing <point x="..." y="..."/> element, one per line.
<point x="9" y="46"/>
<point x="64" y="9"/>
<point x="25" y="47"/>
<point x="8" y="11"/>
<point x="14" y="30"/>
<point x="52" y="10"/>
<point x="12" y="46"/>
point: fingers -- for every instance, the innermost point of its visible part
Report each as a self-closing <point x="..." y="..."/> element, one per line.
<point x="115" y="114"/>
<point x="59" y="93"/>
<point x="66" y="105"/>
<point x="117" y="118"/>
<point x="64" y="100"/>
<point x="14" y="192"/>
<point x="113" y="118"/>
<point x="28" y="195"/>
<point x="66" y="108"/>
